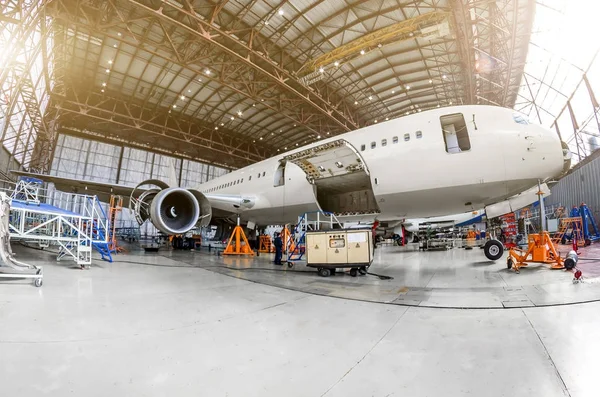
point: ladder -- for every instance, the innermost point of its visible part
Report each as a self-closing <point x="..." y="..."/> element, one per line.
<point x="114" y="209"/>
<point x="568" y="229"/>
<point x="98" y="228"/>
<point x="265" y="246"/>
<point x="307" y="222"/>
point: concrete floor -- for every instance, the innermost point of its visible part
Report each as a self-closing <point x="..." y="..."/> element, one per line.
<point x="456" y="278"/>
<point x="170" y="328"/>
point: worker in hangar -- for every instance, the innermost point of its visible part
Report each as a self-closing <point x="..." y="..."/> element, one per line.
<point x="278" y="243"/>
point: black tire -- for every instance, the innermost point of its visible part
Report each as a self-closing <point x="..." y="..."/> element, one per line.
<point x="493" y="250"/>
<point x="333" y="272"/>
<point x="354" y="272"/>
<point x="324" y="272"/>
<point x="362" y="270"/>
<point x="509" y="263"/>
<point x="569" y="264"/>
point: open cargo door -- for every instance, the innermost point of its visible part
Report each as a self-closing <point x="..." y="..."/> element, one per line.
<point x="341" y="178"/>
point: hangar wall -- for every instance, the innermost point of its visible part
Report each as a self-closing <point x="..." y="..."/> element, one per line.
<point x="96" y="161"/>
<point x="79" y="158"/>
<point x="580" y="185"/>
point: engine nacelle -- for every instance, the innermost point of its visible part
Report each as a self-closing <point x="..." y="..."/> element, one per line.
<point x="172" y="210"/>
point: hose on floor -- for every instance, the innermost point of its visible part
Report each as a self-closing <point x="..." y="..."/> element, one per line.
<point x="381" y="276"/>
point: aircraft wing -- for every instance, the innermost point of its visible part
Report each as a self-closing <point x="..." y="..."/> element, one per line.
<point x="100" y="189"/>
<point x="105" y="190"/>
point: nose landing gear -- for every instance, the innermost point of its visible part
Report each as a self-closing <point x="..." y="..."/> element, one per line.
<point x="493" y="250"/>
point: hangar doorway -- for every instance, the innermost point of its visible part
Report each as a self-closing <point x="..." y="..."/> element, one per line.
<point x="341" y="179"/>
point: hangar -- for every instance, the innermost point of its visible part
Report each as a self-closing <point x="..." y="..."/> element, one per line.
<point x="197" y="191"/>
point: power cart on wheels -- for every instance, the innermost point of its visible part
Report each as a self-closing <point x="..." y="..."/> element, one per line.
<point x="337" y="249"/>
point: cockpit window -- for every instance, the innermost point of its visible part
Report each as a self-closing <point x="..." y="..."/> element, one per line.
<point x="519" y="119"/>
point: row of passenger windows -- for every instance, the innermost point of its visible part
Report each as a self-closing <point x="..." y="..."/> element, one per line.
<point x="384" y="142"/>
<point x="236" y="182"/>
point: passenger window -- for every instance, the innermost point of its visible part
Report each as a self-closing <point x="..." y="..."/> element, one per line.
<point x="258" y="175"/>
<point x="456" y="135"/>
<point x="362" y="148"/>
<point x="263" y="173"/>
<point x="384" y="142"/>
<point x="419" y="134"/>
<point x="406" y="137"/>
<point x="395" y="139"/>
<point x="373" y="145"/>
<point x="242" y="180"/>
<point x="250" y="178"/>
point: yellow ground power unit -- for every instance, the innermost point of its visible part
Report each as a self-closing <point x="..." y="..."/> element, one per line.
<point x="336" y="249"/>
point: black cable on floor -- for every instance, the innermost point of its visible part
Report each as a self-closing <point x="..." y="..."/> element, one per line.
<point x="381" y="277"/>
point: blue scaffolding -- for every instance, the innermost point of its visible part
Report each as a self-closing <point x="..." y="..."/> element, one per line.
<point x="590" y="229"/>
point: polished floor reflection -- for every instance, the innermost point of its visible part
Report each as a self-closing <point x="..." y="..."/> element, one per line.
<point x="155" y="326"/>
<point x="453" y="279"/>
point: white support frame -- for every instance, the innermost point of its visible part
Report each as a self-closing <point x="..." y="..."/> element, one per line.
<point x="27" y="189"/>
<point x="74" y="233"/>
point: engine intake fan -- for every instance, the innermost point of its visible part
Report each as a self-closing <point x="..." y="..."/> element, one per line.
<point x="172" y="210"/>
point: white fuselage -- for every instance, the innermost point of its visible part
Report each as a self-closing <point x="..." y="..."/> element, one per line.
<point x="411" y="167"/>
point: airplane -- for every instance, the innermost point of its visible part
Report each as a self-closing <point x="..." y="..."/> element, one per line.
<point x="409" y="228"/>
<point x="436" y="162"/>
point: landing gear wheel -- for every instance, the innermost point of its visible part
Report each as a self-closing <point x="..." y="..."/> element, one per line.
<point x="333" y="272"/>
<point x="354" y="272"/>
<point x="362" y="270"/>
<point x="493" y="250"/>
<point x="38" y="282"/>
<point x="324" y="272"/>
<point x="509" y="263"/>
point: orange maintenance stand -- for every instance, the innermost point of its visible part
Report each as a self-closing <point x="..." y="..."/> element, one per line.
<point x="540" y="249"/>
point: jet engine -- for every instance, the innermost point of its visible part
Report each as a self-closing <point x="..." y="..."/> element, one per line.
<point x="172" y="210"/>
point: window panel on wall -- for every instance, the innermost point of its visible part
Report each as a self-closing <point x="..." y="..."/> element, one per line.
<point x="136" y="166"/>
<point x="194" y="173"/>
<point x="69" y="159"/>
<point x="593" y="76"/>
<point x="582" y="105"/>
<point x="161" y="165"/>
<point x="565" y="126"/>
<point x="103" y="161"/>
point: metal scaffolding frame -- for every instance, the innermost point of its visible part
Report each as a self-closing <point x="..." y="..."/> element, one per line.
<point x="25" y="81"/>
<point x="225" y="82"/>
<point x="75" y="223"/>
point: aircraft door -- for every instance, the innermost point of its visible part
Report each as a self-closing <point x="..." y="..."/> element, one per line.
<point x="456" y="133"/>
<point x="340" y="178"/>
<point x="279" y="176"/>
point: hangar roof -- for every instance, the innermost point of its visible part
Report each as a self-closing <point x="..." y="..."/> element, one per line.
<point x="231" y="82"/>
